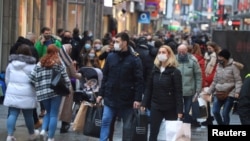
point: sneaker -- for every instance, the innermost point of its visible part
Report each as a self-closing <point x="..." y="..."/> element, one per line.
<point x="51" y="139"/>
<point x="43" y="135"/>
<point x="38" y="124"/>
<point x="34" y="136"/>
<point x="209" y="121"/>
<point x="11" y="138"/>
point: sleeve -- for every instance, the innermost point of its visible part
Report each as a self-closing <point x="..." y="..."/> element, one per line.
<point x="178" y="90"/>
<point x="237" y="79"/>
<point x="39" y="47"/>
<point x="32" y="76"/>
<point x="7" y="75"/>
<point x="138" y="73"/>
<point x="197" y="76"/>
<point x="146" y="101"/>
<point x="65" y="75"/>
<point x="105" y="72"/>
<point x="58" y="44"/>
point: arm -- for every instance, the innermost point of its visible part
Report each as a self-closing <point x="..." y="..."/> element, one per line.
<point x="138" y="74"/>
<point x="7" y="75"/>
<point x="178" y="91"/>
<point x="39" y="46"/>
<point x="237" y="80"/>
<point x="197" y="76"/>
<point x="146" y="101"/>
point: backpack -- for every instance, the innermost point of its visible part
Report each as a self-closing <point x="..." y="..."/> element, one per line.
<point x="2" y="84"/>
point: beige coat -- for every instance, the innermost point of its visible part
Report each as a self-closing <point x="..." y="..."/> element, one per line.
<point x="65" y="113"/>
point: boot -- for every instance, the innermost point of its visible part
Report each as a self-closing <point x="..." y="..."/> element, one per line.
<point x="209" y="121"/>
<point x="65" y="127"/>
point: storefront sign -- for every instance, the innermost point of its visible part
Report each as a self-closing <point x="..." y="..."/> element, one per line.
<point x="144" y="17"/>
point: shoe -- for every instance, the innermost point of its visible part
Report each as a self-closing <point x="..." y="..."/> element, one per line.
<point x="43" y="135"/>
<point x="51" y="139"/>
<point x="209" y="121"/>
<point x="38" y="124"/>
<point x="65" y="127"/>
<point x="195" y="124"/>
<point x="42" y="114"/>
<point x="34" y="136"/>
<point x="11" y="138"/>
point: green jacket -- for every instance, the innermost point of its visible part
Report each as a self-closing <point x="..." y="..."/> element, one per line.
<point x="42" y="49"/>
<point x="191" y="76"/>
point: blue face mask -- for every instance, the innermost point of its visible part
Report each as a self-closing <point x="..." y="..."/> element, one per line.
<point x="87" y="46"/>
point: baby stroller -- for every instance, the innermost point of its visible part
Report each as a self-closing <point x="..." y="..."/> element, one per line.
<point x="88" y="87"/>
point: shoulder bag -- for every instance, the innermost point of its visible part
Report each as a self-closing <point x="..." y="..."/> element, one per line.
<point x="58" y="83"/>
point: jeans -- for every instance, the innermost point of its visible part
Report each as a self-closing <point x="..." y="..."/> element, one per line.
<point x="227" y="107"/>
<point x="50" y="119"/>
<point x="187" y="107"/>
<point x="13" y="115"/>
<point x="127" y="117"/>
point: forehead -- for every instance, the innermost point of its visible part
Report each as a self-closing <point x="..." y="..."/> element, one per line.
<point x="46" y="31"/>
<point x="182" y="48"/>
<point x="162" y="49"/>
<point x="67" y="33"/>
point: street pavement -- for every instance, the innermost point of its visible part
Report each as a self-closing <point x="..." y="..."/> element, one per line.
<point x="198" y="134"/>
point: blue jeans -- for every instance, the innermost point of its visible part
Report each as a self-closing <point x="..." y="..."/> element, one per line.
<point x="13" y="115"/>
<point x="50" y="119"/>
<point x="227" y="107"/>
<point x="187" y="107"/>
<point x="127" y="117"/>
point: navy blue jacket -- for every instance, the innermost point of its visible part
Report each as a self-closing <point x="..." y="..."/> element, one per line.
<point x="122" y="82"/>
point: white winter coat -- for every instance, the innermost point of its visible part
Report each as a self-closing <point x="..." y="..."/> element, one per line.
<point x="20" y="93"/>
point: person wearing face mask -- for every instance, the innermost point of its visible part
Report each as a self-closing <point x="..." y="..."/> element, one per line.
<point x="227" y="78"/>
<point x="121" y="88"/>
<point x="90" y="59"/>
<point x="164" y="91"/>
<point x="210" y="68"/>
<point x="191" y="81"/>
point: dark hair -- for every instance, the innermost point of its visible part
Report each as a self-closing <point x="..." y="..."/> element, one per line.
<point x="59" y="31"/>
<point x="124" y="36"/>
<point x="24" y="49"/>
<point x="45" y="29"/>
<point x="158" y="43"/>
<point x="76" y="31"/>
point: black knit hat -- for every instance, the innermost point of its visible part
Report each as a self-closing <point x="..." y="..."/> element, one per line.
<point x="224" y="53"/>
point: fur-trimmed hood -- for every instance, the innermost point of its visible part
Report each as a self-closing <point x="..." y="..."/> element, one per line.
<point x="22" y="58"/>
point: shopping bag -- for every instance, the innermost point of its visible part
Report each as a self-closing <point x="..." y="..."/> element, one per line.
<point x="80" y="117"/>
<point x="162" y="131"/>
<point x="141" y="128"/>
<point x="93" y="121"/>
<point x="177" y="130"/>
<point x="202" y="108"/>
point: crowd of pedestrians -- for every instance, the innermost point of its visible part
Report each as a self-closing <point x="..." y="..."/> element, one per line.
<point x="155" y="73"/>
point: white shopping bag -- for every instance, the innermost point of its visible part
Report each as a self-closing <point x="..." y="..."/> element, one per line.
<point x="177" y="130"/>
<point x="162" y="131"/>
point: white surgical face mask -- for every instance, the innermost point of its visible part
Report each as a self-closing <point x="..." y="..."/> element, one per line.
<point x="162" y="57"/>
<point x="117" y="47"/>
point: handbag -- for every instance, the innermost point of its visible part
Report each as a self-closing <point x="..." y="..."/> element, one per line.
<point x="93" y="121"/>
<point x="141" y="128"/>
<point x="80" y="117"/>
<point x="222" y="95"/>
<point x="58" y="83"/>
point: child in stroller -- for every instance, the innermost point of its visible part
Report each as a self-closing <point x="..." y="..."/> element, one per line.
<point x="89" y="85"/>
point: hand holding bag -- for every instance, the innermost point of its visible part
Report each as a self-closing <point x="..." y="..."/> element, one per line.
<point x="58" y="83"/>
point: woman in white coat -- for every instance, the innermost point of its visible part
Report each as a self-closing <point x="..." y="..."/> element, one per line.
<point x="20" y="94"/>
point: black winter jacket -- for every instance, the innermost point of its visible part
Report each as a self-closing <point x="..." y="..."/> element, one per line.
<point x="164" y="90"/>
<point x="122" y="82"/>
<point x="244" y="99"/>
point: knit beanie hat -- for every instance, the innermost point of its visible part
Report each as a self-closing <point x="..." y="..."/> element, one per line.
<point x="224" y="53"/>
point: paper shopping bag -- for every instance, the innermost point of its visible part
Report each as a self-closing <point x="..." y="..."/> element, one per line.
<point x="80" y="117"/>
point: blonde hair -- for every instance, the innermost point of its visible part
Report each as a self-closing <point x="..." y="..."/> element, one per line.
<point x="171" y="61"/>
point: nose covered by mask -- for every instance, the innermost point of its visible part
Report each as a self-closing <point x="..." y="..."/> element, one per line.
<point x="183" y="57"/>
<point x="87" y="46"/>
<point x="98" y="46"/>
<point x="117" y="47"/>
<point x="162" y="57"/>
<point x="91" y="56"/>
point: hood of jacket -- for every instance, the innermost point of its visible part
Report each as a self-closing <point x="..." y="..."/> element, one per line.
<point x="19" y="60"/>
